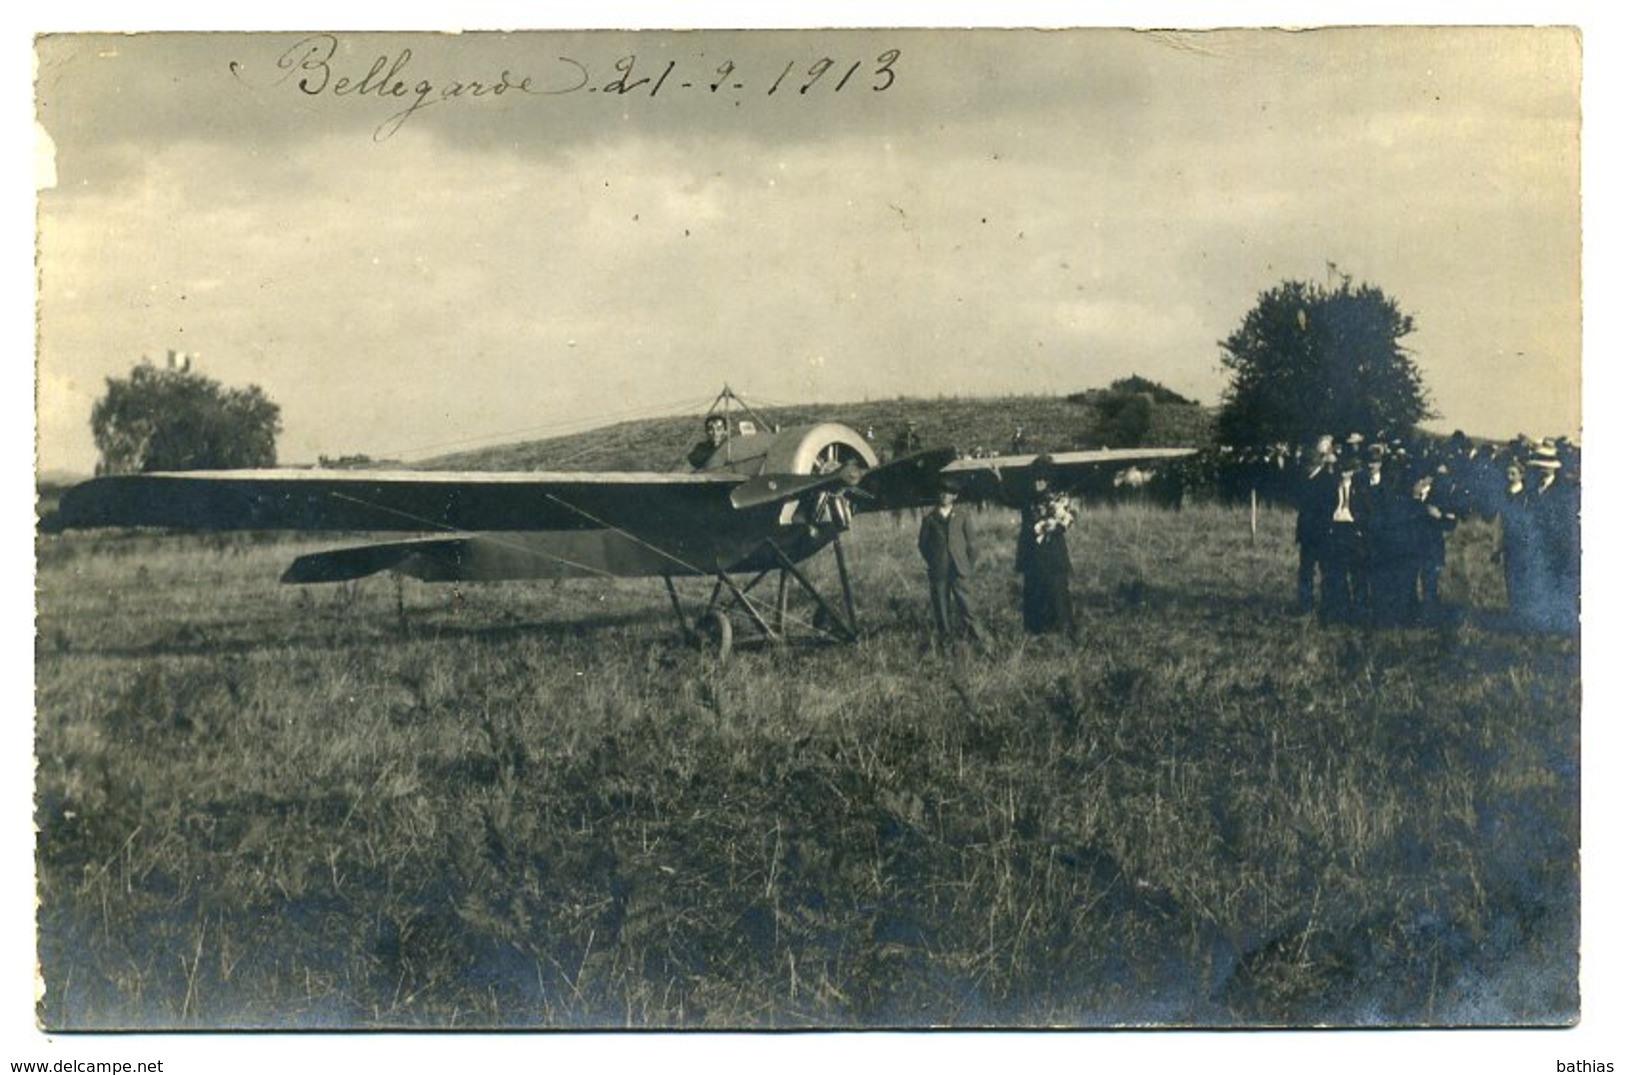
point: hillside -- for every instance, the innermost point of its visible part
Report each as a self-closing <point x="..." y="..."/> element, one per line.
<point x="1050" y="423"/>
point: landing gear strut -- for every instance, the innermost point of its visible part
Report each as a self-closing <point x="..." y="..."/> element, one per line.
<point x="712" y="630"/>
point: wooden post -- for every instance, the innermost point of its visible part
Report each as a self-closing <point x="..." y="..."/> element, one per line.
<point x="1253" y="520"/>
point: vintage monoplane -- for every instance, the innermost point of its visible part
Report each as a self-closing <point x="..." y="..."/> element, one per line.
<point x="756" y="501"/>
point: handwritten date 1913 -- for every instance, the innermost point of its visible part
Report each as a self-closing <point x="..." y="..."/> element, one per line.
<point x="730" y="76"/>
<point x="311" y="66"/>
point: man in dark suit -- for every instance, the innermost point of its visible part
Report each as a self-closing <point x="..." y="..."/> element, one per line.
<point x="1342" y="507"/>
<point x="949" y="549"/>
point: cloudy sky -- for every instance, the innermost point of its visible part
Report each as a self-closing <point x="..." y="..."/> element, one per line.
<point x="973" y="212"/>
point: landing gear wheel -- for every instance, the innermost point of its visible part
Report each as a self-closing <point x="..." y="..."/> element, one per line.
<point x="715" y="635"/>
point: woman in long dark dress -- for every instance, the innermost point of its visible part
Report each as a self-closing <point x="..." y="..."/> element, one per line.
<point x="1044" y="561"/>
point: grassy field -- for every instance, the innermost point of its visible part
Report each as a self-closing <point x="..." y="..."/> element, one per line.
<point x="398" y="805"/>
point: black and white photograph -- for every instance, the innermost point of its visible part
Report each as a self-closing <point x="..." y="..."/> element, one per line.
<point x="823" y="529"/>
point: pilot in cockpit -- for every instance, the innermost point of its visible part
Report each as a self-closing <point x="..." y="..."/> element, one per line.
<point x="716" y="435"/>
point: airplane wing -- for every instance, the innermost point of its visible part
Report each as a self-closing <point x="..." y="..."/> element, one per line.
<point x="446" y="501"/>
<point x="474" y="526"/>
<point x="578" y="523"/>
<point x="1008" y="479"/>
<point x="910" y="481"/>
<point x="718" y="537"/>
<point x="318" y="500"/>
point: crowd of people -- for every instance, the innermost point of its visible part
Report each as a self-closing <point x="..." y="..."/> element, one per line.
<point x="1372" y="520"/>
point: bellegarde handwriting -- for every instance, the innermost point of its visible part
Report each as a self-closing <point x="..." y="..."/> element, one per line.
<point x="310" y="65"/>
<point x="313" y="68"/>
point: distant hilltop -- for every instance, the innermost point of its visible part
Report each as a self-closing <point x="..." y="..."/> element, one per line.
<point x="1132" y="413"/>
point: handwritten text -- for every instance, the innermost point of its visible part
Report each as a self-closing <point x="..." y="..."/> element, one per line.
<point x="312" y="67"/>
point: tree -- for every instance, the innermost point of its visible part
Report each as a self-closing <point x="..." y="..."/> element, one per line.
<point x="1124" y="419"/>
<point x="1159" y="394"/>
<point x="1124" y="412"/>
<point x="1308" y="360"/>
<point x="1132" y="385"/>
<point x="169" y="419"/>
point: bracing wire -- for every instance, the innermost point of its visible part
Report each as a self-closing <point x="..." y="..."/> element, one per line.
<point x="563" y="427"/>
<point x="435" y="525"/>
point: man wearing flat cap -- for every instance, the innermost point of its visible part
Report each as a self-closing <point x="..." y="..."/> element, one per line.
<point x="948" y="547"/>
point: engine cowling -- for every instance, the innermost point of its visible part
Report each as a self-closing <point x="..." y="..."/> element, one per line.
<point x="816" y="449"/>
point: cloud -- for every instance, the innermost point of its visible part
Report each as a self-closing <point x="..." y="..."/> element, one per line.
<point x="1022" y="211"/>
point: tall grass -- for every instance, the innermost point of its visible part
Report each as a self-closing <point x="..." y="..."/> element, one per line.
<point x="391" y="804"/>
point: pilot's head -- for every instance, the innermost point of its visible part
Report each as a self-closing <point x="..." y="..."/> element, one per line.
<point x="716" y="429"/>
